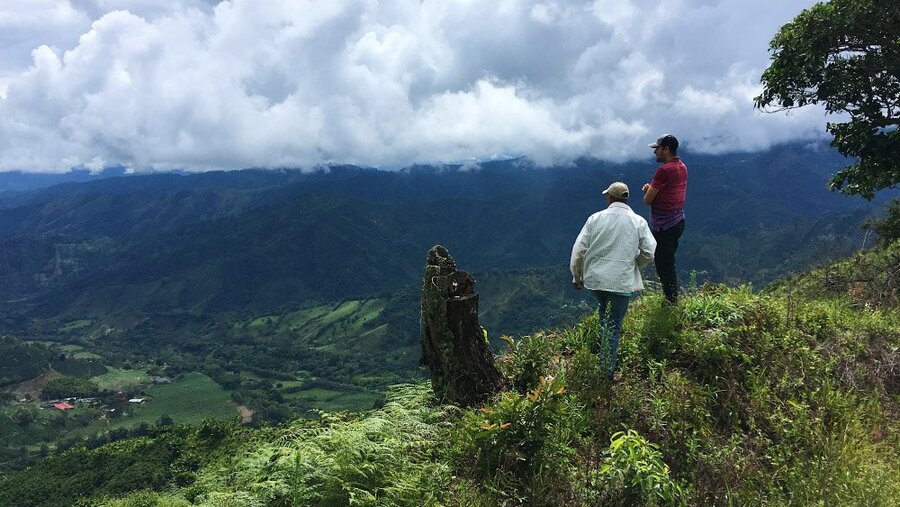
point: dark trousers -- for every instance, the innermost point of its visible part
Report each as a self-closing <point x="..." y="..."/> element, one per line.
<point x="664" y="259"/>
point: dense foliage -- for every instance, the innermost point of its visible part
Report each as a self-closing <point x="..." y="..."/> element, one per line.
<point x="887" y="227"/>
<point x="845" y="54"/>
<point x="161" y="456"/>
<point x="64" y="387"/>
<point x="786" y="397"/>
<point x="20" y="361"/>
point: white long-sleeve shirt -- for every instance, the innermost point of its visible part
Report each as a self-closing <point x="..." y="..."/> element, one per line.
<point x="610" y="250"/>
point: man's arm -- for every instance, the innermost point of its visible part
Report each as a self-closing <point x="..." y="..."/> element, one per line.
<point x="647" y="247"/>
<point x="576" y="262"/>
<point x="649" y="193"/>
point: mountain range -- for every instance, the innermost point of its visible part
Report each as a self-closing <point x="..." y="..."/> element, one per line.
<point x="261" y="240"/>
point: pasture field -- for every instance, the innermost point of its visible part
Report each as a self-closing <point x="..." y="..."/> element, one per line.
<point x="121" y="380"/>
<point x="318" y="324"/>
<point x="188" y="399"/>
<point x="334" y="400"/>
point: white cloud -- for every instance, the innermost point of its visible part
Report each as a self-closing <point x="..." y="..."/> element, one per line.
<point x="36" y="13"/>
<point x="199" y="85"/>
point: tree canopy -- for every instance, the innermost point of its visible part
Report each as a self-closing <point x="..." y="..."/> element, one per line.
<point x="845" y="55"/>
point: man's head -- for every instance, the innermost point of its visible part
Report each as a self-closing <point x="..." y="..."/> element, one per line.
<point x="665" y="148"/>
<point x="617" y="192"/>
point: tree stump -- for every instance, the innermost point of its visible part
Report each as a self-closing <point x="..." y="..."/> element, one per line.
<point x="453" y="343"/>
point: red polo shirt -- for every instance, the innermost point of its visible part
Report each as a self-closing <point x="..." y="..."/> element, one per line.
<point x="667" y="208"/>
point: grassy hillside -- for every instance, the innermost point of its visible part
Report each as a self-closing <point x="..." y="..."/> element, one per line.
<point x="787" y="397"/>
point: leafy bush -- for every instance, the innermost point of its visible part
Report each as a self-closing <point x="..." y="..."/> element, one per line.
<point x="635" y="474"/>
<point x="747" y="399"/>
<point x="113" y="469"/>
<point x="870" y="278"/>
<point x="522" y="443"/>
<point x="511" y="434"/>
<point x="149" y="499"/>
<point x="888" y="226"/>
<point x="526" y="361"/>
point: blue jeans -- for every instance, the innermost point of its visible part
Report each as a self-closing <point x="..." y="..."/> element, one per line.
<point x="611" y="308"/>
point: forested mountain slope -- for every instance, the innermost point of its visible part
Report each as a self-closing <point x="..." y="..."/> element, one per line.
<point x="253" y="239"/>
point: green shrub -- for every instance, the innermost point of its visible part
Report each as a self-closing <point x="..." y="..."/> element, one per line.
<point x="633" y="473"/>
<point x="526" y="361"/>
<point x="649" y="331"/>
<point x="523" y="444"/>
<point x="888" y="226"/>
<point x="709" y="310"/>
<point x="145" y="499"/>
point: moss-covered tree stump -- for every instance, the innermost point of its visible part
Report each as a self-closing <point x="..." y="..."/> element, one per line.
<point x="454" y="347"/>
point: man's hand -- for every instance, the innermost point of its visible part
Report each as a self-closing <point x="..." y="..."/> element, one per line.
<point x="577" y="285"/>
<point x="645" y="187"/>
<point x="649" y="193"/>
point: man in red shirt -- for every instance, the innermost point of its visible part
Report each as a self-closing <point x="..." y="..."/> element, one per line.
<point x="665" y="195"/>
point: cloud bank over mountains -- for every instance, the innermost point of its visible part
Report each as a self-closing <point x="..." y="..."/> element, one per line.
<point x="200" y="85"/>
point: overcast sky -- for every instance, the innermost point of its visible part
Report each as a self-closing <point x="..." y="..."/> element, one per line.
<point x="199" y="84"/>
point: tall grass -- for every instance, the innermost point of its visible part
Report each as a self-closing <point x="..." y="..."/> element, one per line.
<point x="730" y="397"/>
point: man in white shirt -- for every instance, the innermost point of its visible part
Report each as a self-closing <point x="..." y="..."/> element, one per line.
<point x="613" y="246"/>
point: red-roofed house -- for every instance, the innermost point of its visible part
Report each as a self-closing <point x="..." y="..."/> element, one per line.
<point x="63" y="406"/>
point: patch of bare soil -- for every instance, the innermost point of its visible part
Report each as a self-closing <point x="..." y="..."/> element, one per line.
<point x="33" y="388"/>
<point x="246" y="414"/>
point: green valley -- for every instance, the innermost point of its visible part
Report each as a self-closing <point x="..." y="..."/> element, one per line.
<point x="328" y="356"/>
